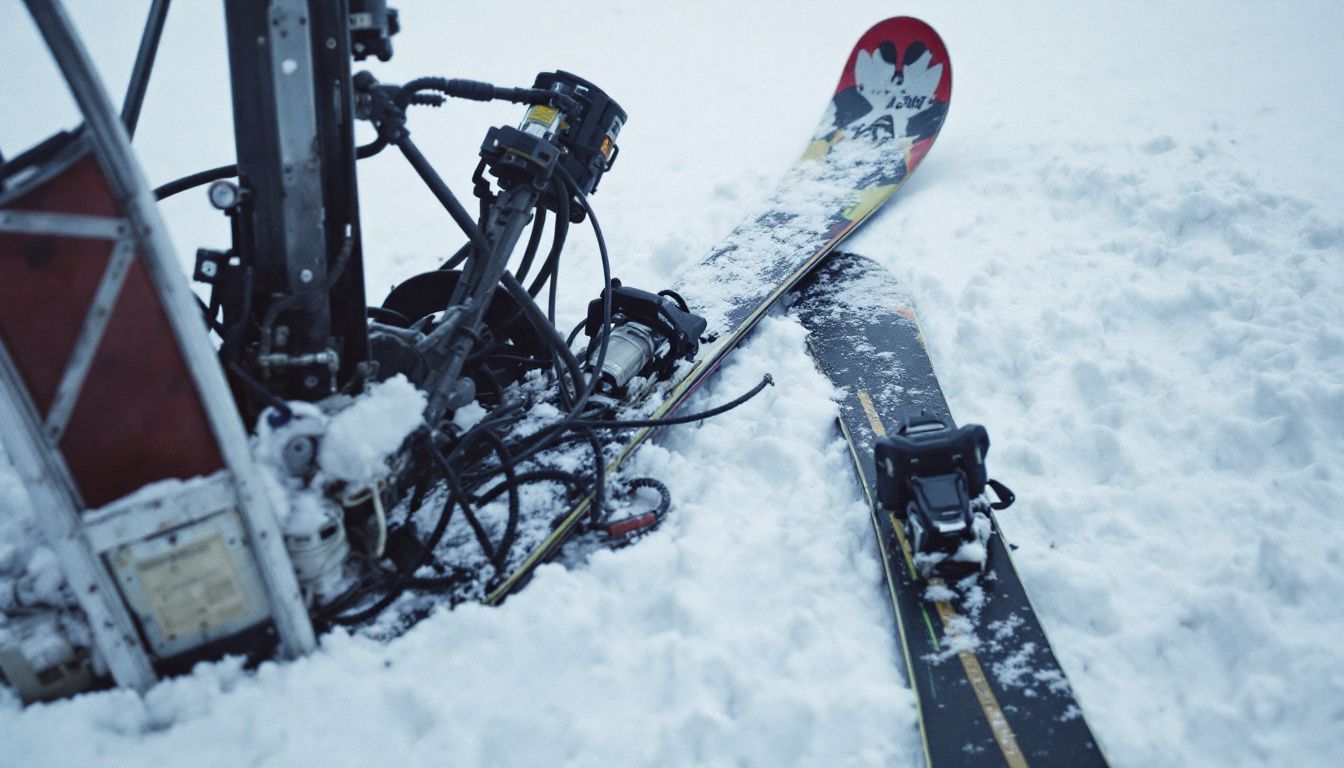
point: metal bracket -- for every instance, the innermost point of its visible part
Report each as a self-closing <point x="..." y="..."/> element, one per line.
<point x="70" y="224"/>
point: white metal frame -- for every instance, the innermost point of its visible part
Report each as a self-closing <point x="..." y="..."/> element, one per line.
<point x="79" y="536"/>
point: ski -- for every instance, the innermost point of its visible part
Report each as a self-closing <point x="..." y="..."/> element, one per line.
<point x="882" y="119"/>
<point x="989" y="689"/>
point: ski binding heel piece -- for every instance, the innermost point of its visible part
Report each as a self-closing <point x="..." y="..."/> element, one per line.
<point x="648" y="333"/>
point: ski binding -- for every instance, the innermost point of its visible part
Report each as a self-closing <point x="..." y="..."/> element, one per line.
<point x="647" y="335"/>
<point x="932" y="478"/>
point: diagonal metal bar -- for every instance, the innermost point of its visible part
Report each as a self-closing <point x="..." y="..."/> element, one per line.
<point x="144" y="64"/>
<point x="90" y="337"/>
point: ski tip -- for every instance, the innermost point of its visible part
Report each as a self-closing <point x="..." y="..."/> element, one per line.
<point x="895" y="85"/>
<point x="890" y="47"/>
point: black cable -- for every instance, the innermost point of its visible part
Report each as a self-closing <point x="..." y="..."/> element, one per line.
<point x="533" y="241"/>
<point x="668" y="421"/>
<point x="476" y="90"/>
<point x="497" y="554"/>
<point x="334" y="274"/>
<point x="194" y="180"/>
<point x="260" y="390"/>
<point x="210" y="320"/>
<point x="558" y="236"/>
<point x="676" y="298"/>
<point x="403" y="575"/>
<point x="388" y="317"/>
<point x="455" y="487"/>
<point x="544" y="329"/>
<point x="598" y="504"/>
<point x="664" y="495"/>
<point x="640" y="522"/>
<point x="567" y="479"/>
<point x="230" y="171"/>
<point x="574" y="332"/>
<point x="582" y="200"/>
<point x="500" y="560"/>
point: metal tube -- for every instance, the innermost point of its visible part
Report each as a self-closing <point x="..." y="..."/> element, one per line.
<point x="445" y="196"/>
<point x="144" y="65"/>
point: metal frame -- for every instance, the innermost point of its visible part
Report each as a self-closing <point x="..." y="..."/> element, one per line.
<point x="35" y="451"/>
<point x="124" y="522"/>
<point x="48" y="483"/>
<point x="291" y="71"/>
<point x="72" y="224"/>
<point x="144" y="65"/>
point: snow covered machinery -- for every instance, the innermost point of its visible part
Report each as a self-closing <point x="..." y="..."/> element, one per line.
<point x="117" y="415"/>
<point x="126" y="400"/>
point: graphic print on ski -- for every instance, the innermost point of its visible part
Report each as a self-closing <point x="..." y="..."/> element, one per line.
<point x="881" y="121"/>
<point x="989" y="689"/>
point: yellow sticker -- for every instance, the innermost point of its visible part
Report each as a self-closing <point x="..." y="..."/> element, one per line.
<point x="543" y="114"/>
<point x="194" y="586"/>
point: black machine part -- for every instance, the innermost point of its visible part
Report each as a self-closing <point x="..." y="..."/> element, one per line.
<point x="649" y="332"/>
<point x="414" y="302"/>
<point x="588" y="134"/>
<point x="578" y="124"/>
<point x="930" y="474"/>
<point x="296" y="228"/>
<point x="372" y="25"/>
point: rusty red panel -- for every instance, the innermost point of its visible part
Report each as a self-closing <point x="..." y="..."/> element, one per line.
<point x="47" y="283"/>
<point x="139" y="418"/>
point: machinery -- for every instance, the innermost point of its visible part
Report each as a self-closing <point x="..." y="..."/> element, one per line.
<point x="152" y="428"/>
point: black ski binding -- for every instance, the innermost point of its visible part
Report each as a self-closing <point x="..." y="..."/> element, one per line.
<point x="932" y="478"/>
<point x="649" y="333"/>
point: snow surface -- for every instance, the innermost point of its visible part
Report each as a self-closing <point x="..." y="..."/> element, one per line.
<point x="1125" y="251"/>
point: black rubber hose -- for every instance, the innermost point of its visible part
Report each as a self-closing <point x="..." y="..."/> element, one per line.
<point x="533" y="241"/>
<point x="230" y="171"/>
<point x="557" y="239"/>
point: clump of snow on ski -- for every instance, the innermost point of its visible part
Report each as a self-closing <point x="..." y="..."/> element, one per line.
<point x="750" y="265"/>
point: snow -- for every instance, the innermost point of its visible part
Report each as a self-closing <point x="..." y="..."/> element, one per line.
<point x="361" y="436"/>
<point x="1125" y="253"/>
